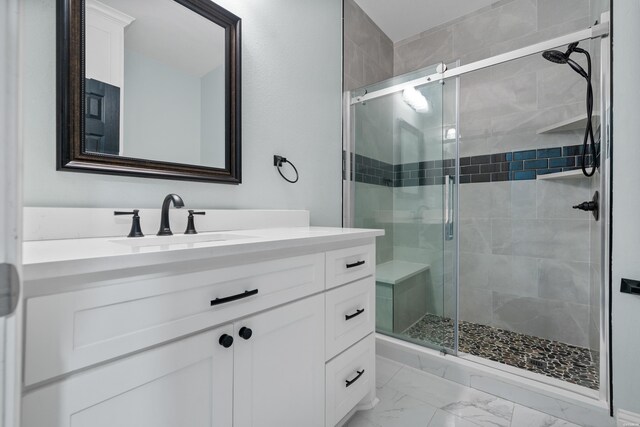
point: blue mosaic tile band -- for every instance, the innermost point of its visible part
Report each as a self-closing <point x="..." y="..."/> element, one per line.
<point x="509" y="166"/>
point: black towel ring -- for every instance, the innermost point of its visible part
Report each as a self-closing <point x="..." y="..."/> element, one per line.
<point x="278" y="161"/>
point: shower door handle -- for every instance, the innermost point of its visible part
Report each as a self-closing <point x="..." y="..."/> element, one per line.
<point x="448" y="207"/>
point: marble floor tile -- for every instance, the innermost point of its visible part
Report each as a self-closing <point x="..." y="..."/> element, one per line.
<point x="430" y="389"/>
<point x="385" y="370"/>
<point x="480" y="408"/>
<point x="359" y="420"/>
<point x="445" y="419"/>
<point x="414" y="398"/>
<point x="395" y="409"/>
<point x="526" y="417"/>
<point x="483" y="410"/>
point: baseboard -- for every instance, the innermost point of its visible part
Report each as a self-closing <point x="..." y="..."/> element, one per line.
<point x="627" y="418"/>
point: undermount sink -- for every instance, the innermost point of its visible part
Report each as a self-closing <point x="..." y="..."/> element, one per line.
<point x="179" y="239"/>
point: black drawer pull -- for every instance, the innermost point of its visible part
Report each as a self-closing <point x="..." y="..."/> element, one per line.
<point x="245" y="294"/>
<point x="351" y="316"/>
<point x="355" y="264"/>
<point x="356" y="378"/>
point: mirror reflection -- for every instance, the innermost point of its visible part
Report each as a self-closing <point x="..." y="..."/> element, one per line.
<point x="154" y="82"/>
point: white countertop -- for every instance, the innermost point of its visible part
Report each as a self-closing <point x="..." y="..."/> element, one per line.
<point x="46" y="258"/>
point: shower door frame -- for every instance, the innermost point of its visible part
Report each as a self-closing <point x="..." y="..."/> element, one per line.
<point x="599" y="31"/>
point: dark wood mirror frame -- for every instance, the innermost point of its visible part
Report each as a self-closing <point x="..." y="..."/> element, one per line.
<point x="71" y="155"/>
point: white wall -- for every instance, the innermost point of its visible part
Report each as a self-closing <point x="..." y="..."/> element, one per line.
<point x="626" y="203"/>
<point x="291" y="101"/>
<point x="212" y="118"/>
<point x="161" y="111"/>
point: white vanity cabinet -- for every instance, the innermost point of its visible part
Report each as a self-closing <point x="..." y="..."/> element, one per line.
<point x="144" y="346"/>
<point x="196" y="381"/>
<point x="279" y="371"/>
<point x="186" y="383"/>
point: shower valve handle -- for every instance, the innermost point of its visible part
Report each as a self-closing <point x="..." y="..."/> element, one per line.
<point x="591" y="206"/>
<point x="587" y="206"/>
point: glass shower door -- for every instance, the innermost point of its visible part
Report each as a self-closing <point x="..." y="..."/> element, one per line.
<point x="404" y="183"/>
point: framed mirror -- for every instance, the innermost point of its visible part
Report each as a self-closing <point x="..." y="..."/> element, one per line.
<point x="149" y="88"/>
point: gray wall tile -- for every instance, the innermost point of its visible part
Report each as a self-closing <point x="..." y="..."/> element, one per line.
<point x="523" y="199"/>
<point x="564" y="281"/>
<point x="475" y="201"/>
<point x="528" y="122"/>
<point x="509" y="21"/>
<point x="557" y="198"/>
<point x="474" y="270"/>
<point x="423" y="52"/>
<point x="542" y="318"/>
<point x="368" y="52"/>
<point x="475" y="235"/>
<point x="553" y="12"/>
<point x="566" y="26"/>
<point x="561" y="85"/>
<point x="373" y="72"/>
<point x="353" y="62"/>
<point x="499" y="97"/>
<point x="476" y="305"/>
<point x="557" y="239"/>
<point x="513" y="275"/>
<point x="385" y="55"/>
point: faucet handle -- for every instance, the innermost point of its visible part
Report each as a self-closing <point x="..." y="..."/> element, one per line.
<point x="191" y="227"/>
<point x="134" y="212"/>
<point x="136" y="231"/>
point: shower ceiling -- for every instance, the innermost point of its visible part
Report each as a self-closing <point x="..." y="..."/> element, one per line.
<point x="400" y="19"/>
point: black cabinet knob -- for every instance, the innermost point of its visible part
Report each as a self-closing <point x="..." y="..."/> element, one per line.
<point x="226" y="340"/>
<point x="245" y="333"/>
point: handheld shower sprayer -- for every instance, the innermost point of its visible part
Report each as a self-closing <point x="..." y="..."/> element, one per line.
<point x="588" y="144"/>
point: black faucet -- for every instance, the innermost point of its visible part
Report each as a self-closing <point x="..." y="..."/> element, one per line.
<point x="165" y="229"/>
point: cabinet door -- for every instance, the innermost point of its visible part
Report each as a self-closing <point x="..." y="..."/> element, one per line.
<point x="185" y="383"/>
<point x="279" y="370"/>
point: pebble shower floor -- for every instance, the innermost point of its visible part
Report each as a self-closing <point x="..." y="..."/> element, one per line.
<point x="554" y="359"/>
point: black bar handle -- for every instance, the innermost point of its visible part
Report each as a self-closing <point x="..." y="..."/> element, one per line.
<point x="355" y="379"/>
<point x="192" y="212"/>
<point x="355" y="264"/>
<point x="134" y="212"/>
<point x="351" y="316"/>
<point x="224" y="300"/>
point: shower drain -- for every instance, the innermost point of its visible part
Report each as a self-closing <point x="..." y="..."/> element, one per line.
<point x="538" y="363"/>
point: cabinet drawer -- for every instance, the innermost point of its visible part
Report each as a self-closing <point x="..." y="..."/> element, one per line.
<point x="350" y="377"/>
<point x="350" y="314"/>
<point x="72" y="330"/>
<point x="347" y="265"/>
